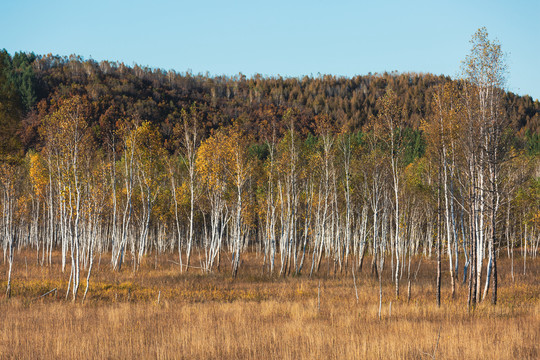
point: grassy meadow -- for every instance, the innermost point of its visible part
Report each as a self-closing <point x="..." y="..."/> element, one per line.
<point x="159" y="313"/>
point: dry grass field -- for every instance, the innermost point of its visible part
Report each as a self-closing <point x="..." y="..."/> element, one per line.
<point x="157" y="312"/>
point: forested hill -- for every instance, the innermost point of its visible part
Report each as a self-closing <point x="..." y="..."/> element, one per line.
<point x="34" y="83"/>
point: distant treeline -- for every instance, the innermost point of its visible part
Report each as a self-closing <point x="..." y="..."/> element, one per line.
<point x="33" y="84"/>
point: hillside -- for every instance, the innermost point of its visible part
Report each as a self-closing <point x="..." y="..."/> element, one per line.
<point x="117" y="92"/>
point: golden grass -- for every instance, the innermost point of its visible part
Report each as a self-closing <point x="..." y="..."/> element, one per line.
<point x="258" y="316"/>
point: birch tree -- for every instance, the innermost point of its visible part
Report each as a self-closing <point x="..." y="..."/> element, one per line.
<point x="214" y="166"/>
<point x="441" y="131"/>
<point x="8" y="185"/>
<point x="389" y="127"/>
<point x="485" y="70"/>
<point x="67" y="140"/>
<point x="189" y="133"/>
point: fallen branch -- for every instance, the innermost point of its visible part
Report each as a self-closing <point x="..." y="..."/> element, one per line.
<point x="355" y="288"/>
<point x="418" y="268"/>
<point x="47" y="293"/>
<point x="433" y="356"/>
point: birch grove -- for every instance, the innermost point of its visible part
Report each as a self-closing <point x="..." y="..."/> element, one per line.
<point x="308" y="204"/>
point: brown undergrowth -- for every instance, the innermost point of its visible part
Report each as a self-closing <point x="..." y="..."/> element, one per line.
<point x="158" y="312"/>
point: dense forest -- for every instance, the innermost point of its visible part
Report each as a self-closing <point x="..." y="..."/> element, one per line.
<point x="107" y="158"/>
<point x="34" y="84"/>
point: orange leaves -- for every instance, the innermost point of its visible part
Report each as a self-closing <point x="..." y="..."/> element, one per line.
<point x="213" y="161"/>
<point x="38" y="174"/>
<point x="388" y="108"/>
<point x="324" y="125"/>
<point x="64" y="128"/>
<point x="388" y="126"/>
<point x="7" y="175"/>
<point x="143" y="151"/>
<point x="223" y="159"/>
<point x="67" y="141"/>
<point x="443" y="127"/>
<point x="224" y="167"/>
<point x="149" y="152"/>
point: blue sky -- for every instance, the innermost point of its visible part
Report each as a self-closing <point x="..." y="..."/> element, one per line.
<point x="287" y="38"/>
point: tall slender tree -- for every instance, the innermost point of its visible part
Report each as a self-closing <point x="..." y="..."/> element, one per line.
<point x="485" y="70"/>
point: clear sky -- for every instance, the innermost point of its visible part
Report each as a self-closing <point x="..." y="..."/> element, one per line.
<point x="287" y="38"/>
